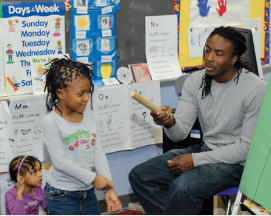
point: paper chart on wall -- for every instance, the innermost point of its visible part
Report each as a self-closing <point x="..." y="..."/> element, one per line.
<point x="197" y="37"/>
<point x="123" y="123"/>
<point x="218" y="12"/>
<point x="27" y="115"/>
<point x="143" y="130"/>
<point x="7" y="138"/>
<point x="112" y="112"/>
<point x="161" y="47"/>
<point x="33" y="32"/>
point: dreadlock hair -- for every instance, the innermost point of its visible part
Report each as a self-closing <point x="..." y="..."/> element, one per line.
<point x="61" y="72"/>
<point x="239" y="47"/>
<point x="15" y="163"/>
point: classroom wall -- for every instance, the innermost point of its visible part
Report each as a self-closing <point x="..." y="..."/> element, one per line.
<point x="121" y="163"/>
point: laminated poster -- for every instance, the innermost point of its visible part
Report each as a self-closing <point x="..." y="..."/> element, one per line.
<point x="31" y="30"/>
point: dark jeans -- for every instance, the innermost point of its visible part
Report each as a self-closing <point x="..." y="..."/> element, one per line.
<point x="161" y="192"/>
<point x="61" y="202"/>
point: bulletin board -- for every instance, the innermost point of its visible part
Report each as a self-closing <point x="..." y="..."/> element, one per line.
<point x="258" y="9"/>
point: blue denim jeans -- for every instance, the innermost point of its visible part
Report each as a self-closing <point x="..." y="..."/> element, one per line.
<point x="161" y="192"/>
<point x="61" y="202"/>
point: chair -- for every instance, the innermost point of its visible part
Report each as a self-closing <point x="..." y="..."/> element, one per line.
<point x="226" y="198"/>
<point x="225" y="195"/>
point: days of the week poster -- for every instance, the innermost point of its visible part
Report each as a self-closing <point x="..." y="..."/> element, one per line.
<point x="31" y="30"/>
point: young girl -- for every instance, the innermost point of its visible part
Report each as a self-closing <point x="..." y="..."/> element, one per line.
<point x="71" y="136"/>
<point x="28" y="196"/>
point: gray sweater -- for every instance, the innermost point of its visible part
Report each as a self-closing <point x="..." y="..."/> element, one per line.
<point x="75" y="150"/>
<point x="227" y="117"/>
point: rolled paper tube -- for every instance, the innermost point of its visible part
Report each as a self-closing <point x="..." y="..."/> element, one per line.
<point x="144" y="101"/>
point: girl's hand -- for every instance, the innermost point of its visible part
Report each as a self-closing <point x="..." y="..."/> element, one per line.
<point x="102" y="183"/>
<point x="112" y="201"/>
<point x="20" y="187"/>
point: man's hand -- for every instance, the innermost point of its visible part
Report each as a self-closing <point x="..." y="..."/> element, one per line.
<point x="165" y="119"/>
<point x="112" y="200"/>
<point x="102" y="183"/>
<point x="181" y="164"/>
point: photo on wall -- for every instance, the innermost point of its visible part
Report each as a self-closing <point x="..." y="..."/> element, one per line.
<point x="140" y="72"/>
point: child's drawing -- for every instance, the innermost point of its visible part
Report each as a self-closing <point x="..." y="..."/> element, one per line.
<point x="82" y="48"/>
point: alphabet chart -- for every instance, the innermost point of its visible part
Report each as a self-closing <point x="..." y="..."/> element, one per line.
<point x="161" y="47"/>
<point x="27" y="114"/>
<point x="124" y="123"/>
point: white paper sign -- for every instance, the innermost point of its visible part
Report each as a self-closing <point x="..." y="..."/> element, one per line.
<point x="197" y="37"/>
<point x="80" y="34"/>
<point x="7" y="138"/>
<point x="161" y="47"/>
<point x="106" y="58"/>
<point x="83" y="60"/>
<point x="106" y="33"/>
<point x="123" y="122"/>
<point x="106" y="10"/>
<point x="27" y="114"/>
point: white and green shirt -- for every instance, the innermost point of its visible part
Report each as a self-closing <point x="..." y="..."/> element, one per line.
<point x="75" y="150"/>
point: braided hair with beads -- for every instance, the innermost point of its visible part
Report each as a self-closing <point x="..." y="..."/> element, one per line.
<point x="62" y="71"/>
<point x="15" y="164"/>
<point x="239" y="47"/>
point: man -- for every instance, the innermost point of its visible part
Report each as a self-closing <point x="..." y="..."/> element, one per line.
<point x="226" y="97"/>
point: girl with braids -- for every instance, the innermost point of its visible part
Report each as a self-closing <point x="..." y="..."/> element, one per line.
<point x="71" y="136"/>
<point x="226" y="97"/>
<point x="28" y="196"/>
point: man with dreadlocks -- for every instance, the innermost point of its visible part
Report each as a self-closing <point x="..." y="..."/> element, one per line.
<point x="71" y="136"/>
<point x="226" y="97"/>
